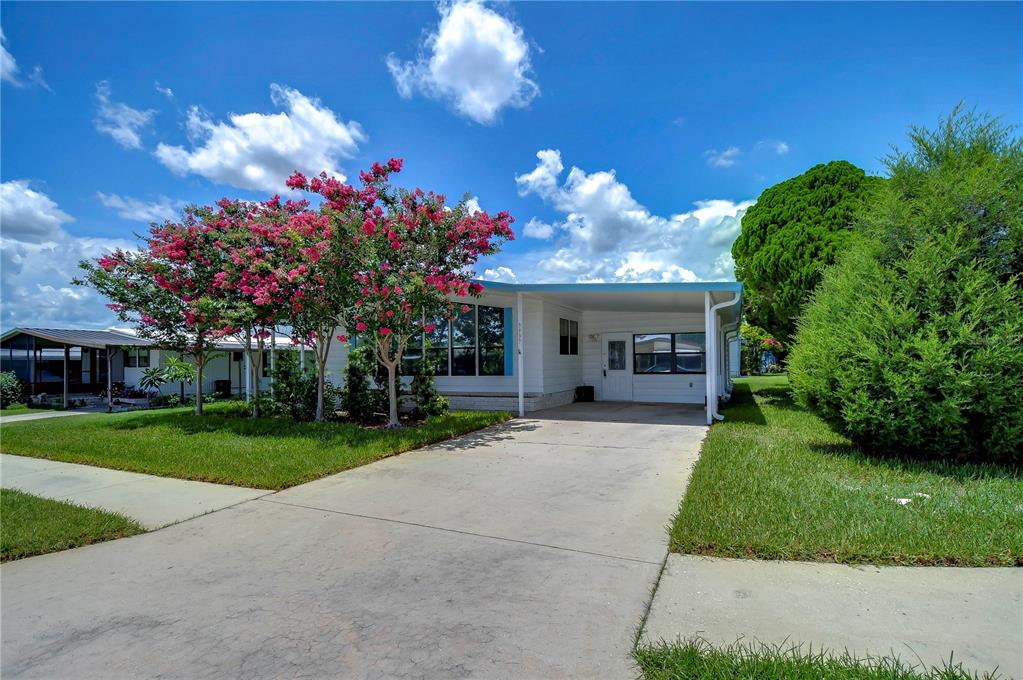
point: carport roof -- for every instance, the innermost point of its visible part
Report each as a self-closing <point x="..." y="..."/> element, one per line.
<point x="81" y="338"/>
<point x="628" y="297"/>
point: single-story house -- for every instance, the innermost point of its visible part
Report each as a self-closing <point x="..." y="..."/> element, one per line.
<point x="524" y="347"/>
<point x="73" y="362"/>
<point x="519" y="347"/>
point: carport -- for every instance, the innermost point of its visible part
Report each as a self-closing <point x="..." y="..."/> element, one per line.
<point x="79" y="360"/>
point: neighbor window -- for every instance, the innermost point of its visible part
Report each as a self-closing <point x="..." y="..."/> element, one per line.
<point x="568" y="336"/>
<point x="136" y="357"/>
<point x="667" y="353"/>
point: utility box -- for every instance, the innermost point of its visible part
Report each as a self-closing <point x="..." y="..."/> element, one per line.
<point x="222" y="388"/>
<point x="584" y="393"/>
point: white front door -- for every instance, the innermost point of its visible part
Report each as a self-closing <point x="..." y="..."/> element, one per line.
<point x="617" y="358"/>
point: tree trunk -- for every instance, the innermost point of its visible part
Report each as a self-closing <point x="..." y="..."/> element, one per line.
<point x="181" y="392"/>
<point x="392" y="395"/>
<point x="322" y="352"/>
<point x="199" y="365"/>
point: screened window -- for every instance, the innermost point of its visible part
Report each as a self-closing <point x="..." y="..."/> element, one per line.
<point x="437" y="342"/>
<point x="463" y="342"/>
<point x="666" y="353"/>
<point x="568" y="336"/>
<point x="491" y="340"/>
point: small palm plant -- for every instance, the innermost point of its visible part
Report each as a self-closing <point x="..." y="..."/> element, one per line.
<point x="181" y="372"/>
<point x="152" y="379"/>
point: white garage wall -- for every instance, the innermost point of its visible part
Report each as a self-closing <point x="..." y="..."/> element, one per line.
<point x="560" y="371"/>
<point x="672" y="388"/>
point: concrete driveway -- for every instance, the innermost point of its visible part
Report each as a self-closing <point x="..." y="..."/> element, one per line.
<point x="524" y="550"/>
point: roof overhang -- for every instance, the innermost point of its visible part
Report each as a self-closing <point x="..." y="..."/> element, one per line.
<point x="80" y="338"/>
<point x="633" y="297"/>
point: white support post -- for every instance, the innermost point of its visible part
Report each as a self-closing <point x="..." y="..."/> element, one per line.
<point x="67" y="359"/>
<point x="520" y="368"/>
<point x="708" y="371"/>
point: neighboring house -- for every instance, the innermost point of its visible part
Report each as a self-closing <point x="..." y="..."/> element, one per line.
<point x="38" y="356"/>
<point x="524" y="347"/>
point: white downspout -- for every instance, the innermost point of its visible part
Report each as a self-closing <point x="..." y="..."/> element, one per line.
<point x="521" y="368"/>
<point x="712" y="392"/>
<point x="707" y="380"/>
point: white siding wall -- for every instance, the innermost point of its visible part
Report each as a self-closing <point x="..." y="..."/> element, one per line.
<point x="678" y="389"/>
<point x="560" y="371"/>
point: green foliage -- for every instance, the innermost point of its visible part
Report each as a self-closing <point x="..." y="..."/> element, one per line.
<point x="696" y="659"/>
<point x="363" y="402"/>
<point x="755" y="341"/>
<point x="10" y="389"/>
<point x="428" y="400"/>
<point x="913" y="343"/>
<point x="795" y="230"/>
<point x="152" y="379"/>
<point x="294" y="392"/>
<point x="178" y="370"/>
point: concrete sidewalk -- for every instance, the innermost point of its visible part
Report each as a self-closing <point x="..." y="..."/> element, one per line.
<point x="42" y="414"/>
<point x="920" y="614"/>
<point x="153" y="501"/>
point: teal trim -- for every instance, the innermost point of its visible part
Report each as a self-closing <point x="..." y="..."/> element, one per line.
<point x="509" y="341"/>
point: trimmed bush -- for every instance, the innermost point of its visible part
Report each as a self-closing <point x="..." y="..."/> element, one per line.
<point x="363" y="403"/>
<point x="10" y="389"/>
<point x="913" y="342"/>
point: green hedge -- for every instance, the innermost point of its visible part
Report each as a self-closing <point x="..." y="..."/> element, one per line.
<point x="913" y="342"/>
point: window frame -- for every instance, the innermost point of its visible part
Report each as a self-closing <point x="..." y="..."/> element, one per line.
<point x="673" y="353"/>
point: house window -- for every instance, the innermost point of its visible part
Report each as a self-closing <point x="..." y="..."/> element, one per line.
<point x="136" y="357"/>
<point x="666" y="353"/>
<point x="491" y="340"/>
<point x="568" y="336"/>
<point x="438" y="342"/>
<point x="470" y="344"/>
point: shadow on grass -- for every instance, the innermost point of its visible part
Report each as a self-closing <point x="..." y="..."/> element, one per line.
<point x="237" y="423"/>
<point x="747" y="407"/>
<point x="743" y="407"/>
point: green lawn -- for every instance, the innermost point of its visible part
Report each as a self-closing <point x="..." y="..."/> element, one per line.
<point x="696" y="660"/>
<point x="776" y="482"/>
<point x="33" y="525"/>
<point x="224" y="446"/>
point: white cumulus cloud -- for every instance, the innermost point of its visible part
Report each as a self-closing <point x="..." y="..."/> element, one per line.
<point x="165" y="91"/>
<point x="260" y="150"/>
<point x="536" y="229"/>
<point x="775" y="146"/>
<point x="138" y="210"/>
<point x="27" y="214"/>
<point x="722" y="159"/>
<point x="500" y="274"/>
<point x="38" y="260"/>
<point x="476" y="59"/>
<point x="11" y="73"/>
<point x="119" y="120"/>
<point x="605" y="234"/>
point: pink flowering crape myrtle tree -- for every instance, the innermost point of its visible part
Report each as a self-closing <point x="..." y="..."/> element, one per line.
<point x="410" y="255"/>
<point x="164" y="289"/>
<point x="268" y="252"/>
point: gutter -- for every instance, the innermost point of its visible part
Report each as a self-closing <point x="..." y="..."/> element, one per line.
<point x="712" y="375"/>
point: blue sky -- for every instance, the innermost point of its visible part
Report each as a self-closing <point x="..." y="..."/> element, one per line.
<point x="628" y="138"/>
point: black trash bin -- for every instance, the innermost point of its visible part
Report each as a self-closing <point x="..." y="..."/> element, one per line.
<point x="222" y="388"/>
<point x="584" y="393"/>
